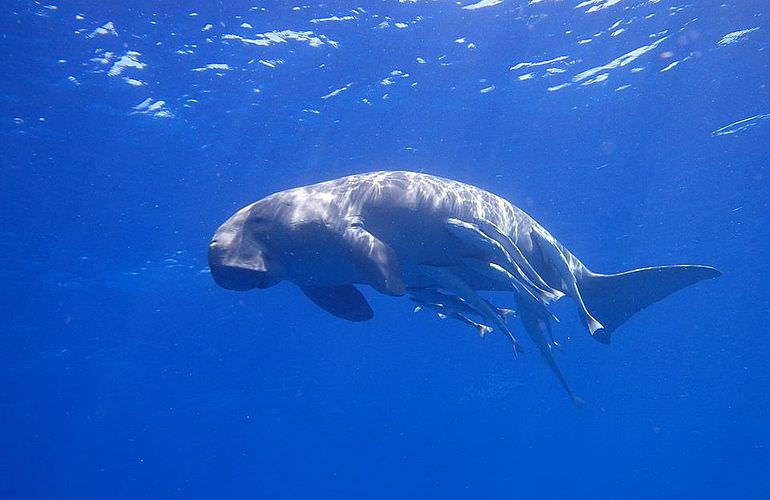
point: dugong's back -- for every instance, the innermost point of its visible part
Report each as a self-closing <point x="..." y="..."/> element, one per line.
<point x="395" y="191"/>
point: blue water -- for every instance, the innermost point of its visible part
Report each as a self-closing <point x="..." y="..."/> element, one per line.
<point x="125" y="372"/>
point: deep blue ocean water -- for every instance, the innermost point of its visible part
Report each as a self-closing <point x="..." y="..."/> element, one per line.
<point x="637" y="132"/>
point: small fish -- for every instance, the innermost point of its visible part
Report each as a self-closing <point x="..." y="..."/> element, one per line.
<point x="454" y="303"/>
<point x="444" y="313"/>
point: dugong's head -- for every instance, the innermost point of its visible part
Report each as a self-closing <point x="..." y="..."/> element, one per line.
<point x="240" y="256"/>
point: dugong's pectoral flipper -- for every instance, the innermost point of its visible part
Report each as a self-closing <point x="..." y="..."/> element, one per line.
<point x="375" y="259"/>
<point x="539" y="329"/>
<point x="445" y="278"/>
<point x="343" y="301"/>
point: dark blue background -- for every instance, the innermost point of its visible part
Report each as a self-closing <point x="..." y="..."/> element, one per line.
<point x="126" y="373"/>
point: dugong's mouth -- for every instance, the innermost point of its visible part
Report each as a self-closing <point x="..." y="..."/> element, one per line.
<point x="238" y="270"/>
<point x="238" y="278"/>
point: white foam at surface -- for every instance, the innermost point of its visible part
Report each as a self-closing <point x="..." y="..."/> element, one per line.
<point x="420" y="60"/>
<point x="623" y="60"/>
<point x="735" y="36"/>
<point x="207" y="27"/>
<point x="482" y="4"/>
<point x="487" y="90"/>
<point x="622" y="87"/>
<point x="526" y="76"/>
<point x="401" y="25"/>
<point x="617" y="32"/>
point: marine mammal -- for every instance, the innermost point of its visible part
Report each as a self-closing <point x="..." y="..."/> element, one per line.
<point x="399" y="231"/>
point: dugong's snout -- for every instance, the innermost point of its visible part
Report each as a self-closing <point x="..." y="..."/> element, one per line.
<point x="239" y="270"/>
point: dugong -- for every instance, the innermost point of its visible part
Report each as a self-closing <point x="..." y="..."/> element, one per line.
<point x="408" y="233"/>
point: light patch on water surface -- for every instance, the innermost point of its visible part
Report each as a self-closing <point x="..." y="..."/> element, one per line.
<point x="482" y="4"/>
<point x="597" y="5"/>
<point x="270" y="63"/>
<point x="558" y="87"/>
<point x="332" y="19"/>
<point x="274" y="37"/>
<point x="526" y="76"/>
<point x="129" y="60"/>
<point x="741" y="125"/>
<point x="618" y="62"/>
<point x="134" y="82"/>
<point x="597" y="79"/>
<point x="537" y="63"/>
<point x="670" y="66"/>
<point x="155" y="109"/>
<point x="214" y="66"/>
<point x="105" y="29"/>
<point x="735" y="36"/>
<point x="337" y="91"/>
<point x="487" y="90"/>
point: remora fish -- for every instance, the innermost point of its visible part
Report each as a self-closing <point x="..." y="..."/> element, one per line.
<point x="393" y="230"/>
<point x="453" y="303"/>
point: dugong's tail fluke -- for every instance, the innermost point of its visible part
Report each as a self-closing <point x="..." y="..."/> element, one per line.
<point x="613" y="298"/>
